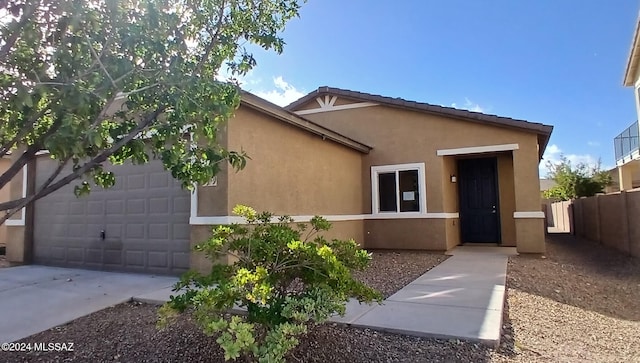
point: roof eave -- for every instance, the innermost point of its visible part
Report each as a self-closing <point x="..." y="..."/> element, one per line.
<point x="630" y="75"/>
<point x="263" y="106"/>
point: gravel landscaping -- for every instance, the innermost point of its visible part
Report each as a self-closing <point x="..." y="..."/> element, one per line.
<point x="579" y="303"/>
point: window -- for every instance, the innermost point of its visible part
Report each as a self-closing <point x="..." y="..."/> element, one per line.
<point x="398" y="188"/>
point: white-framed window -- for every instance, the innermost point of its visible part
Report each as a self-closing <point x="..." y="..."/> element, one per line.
<point x="399" y="189"/>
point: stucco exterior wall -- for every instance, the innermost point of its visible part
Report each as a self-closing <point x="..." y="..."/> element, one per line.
<point x="15" y="235"/>
<point x="213" y="200"/>
<point x="507" y="199"/>
<point x="409" y="234"/>
<point x="4" y="197"/>
<point x="292" y="171"/>
<point x="401" y="136"/>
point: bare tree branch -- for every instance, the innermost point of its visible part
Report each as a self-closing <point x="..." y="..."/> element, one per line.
<point x="97" y="58"/>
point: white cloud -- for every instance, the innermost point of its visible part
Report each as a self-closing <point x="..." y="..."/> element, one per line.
<point x="593" y="143"/>
<point x="469" y="105"/>
<point x="553" y="154"/>
<point x="283" y="94"/>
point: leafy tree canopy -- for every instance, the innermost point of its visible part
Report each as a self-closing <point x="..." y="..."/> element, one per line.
<point x="581" y="180"/>
<point x="113" y="81"/>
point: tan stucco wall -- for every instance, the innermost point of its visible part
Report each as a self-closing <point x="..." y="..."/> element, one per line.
<point x="507" y="199"/>
<point x="197" y="260"/>
<point x="4" y="197"/>
<point x="16" y="234"/>
<point x="530" y="235"/>
<point x="410" y="234"/>
<point x="213" y="200"/>
<point x="292" y="171"/>
<point x="452" y="226"/>
<point x="400" y="136"/>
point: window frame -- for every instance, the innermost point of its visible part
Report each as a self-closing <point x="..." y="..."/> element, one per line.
<point x="397" y="168"/>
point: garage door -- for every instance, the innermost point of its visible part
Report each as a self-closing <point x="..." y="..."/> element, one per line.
<point x="140" y="225"/>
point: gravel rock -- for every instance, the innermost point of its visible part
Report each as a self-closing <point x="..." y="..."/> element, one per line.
<point x="580" y="303"/>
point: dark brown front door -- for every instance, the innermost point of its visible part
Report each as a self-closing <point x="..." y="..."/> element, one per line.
<point x="478" y="191"/>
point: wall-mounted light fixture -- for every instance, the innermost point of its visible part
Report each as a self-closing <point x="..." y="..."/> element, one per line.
<point x="453" y="178"/>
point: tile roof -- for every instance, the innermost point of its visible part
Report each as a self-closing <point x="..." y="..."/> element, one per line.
<point x="544" y="131"/>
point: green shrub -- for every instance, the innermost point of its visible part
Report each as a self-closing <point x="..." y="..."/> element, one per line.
<point x="285" y="281"/>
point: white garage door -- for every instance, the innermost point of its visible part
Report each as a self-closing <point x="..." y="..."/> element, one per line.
<point x="141" y="224"/>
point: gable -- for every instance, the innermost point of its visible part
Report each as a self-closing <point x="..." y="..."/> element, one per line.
<point x="329" y="103"/>
<point x="335" y="100"/>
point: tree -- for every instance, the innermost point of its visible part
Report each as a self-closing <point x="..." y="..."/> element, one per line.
<point x="285" y="281"/>
<point x="575" y="182"/>
<point x="102" y="81"/>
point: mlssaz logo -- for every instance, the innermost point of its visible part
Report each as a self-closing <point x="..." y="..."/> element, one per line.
<point x="53" y="347"/>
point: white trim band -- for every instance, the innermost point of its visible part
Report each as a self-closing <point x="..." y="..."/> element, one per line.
<point x="478" y="149"/>
<point x="533" y="214"/>
<point x="196" y="221"/>
<point x="330" y="107"/>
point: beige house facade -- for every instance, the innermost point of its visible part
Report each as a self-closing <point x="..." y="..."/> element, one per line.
<point x="389" y="173"/>
<point x="627" y="143"/>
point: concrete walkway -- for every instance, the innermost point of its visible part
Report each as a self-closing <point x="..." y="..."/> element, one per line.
<point x="36" y="298"/>
<point x="461" y="298"/>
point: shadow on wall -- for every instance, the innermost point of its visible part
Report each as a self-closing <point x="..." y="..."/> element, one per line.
<point x="583" y="274"/>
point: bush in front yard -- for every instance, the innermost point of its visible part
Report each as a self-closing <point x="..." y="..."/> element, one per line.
<point x="285" y="281"/>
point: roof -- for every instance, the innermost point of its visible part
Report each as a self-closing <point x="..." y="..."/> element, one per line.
<point x="261" y="105"/>
<point x="631" y="72"/>
<point x="546" y="184"/>
<point x="543" y="131"/>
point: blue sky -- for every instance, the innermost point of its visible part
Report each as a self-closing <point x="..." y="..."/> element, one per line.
<point x="550" y="61"/>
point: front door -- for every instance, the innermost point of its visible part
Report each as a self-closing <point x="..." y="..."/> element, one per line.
<point x="478" y="191"/>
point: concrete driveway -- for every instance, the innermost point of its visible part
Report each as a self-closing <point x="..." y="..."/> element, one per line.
<point x="36" y="298"/>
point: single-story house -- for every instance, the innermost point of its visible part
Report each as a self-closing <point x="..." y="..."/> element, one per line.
<point x="390" y="173"/>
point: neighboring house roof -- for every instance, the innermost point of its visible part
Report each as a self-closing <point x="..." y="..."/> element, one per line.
<point x="261" y="105"/>
<point x="546" y="184"/>
<point x="543" y="131"/>
<point x="631" y="73"/>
